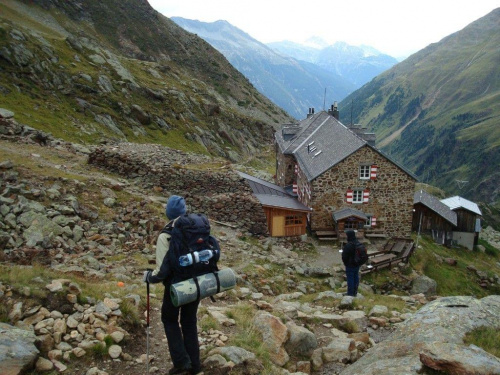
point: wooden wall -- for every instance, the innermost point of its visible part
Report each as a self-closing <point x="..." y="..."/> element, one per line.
<point x="430" y="220"/>
<point x="285" y="223"/>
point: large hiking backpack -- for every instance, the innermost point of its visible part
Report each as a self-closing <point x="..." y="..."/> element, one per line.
<point x="360" y="254"/>
<point x="190" y="233"/>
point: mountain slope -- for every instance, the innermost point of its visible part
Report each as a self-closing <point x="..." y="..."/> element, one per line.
<point x="357" y="65"/>
<point x="91" y="71"/>
<point x="293" y="85"/>
<point x="438" y="111"/>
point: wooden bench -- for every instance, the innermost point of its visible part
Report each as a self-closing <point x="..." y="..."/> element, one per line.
<point x="398" y="247"/>
<point x="326" y="235"/>
<point x="375" y="235"/>
<point x="382" y="258"/>
<point x="407" y="252"/>
<point x="323" y="233"/>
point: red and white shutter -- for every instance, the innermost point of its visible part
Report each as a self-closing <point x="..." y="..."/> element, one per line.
<point x="295" y="188"/>
<point x="349" y="195"/>
<point x="374" y="221"/>
<point x="366" y="196"/>
<point x="373" y="172"/>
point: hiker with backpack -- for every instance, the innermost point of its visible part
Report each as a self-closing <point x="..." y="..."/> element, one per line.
<point x="353" y="256"/>
<point x="182" y="340"/>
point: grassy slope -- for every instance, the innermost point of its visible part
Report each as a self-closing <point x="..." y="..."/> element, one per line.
<point x="446" y="98"/>
<point x="195" y="78"/>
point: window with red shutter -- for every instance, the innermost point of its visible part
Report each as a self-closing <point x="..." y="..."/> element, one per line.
<point x="349" y="196"/>
<point x="366" y="196"/>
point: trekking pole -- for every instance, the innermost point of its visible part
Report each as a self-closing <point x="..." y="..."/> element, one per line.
<point x="147" y="327"/>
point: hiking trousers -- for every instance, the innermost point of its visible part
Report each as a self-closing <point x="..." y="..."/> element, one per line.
<point x="352" y="274"/>
<point x="182" y="340"/>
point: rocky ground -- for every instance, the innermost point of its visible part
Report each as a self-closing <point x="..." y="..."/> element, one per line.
<point x="75" y="240"/>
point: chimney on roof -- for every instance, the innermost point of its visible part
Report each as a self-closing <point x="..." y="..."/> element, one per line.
<point x="311" y="112"/>
<point x="333" y="111"/>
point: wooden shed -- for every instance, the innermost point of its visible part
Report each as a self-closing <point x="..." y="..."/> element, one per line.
<point x="286" y="216"/>
<point x="433" y="217"/>
<point x="468" y="224"/>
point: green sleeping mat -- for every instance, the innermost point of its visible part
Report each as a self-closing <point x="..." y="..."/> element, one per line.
<point x="185" y="291"/>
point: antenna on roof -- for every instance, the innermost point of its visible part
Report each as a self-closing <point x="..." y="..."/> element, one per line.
<point x="352" y="104"/>
<point x="324" y="100"/>
<point x="461" y="183"/>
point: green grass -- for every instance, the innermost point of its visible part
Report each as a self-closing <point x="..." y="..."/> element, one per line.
<point x="99" y="351"/>
<point x="486" y="338"/>
<point x="454" y="280"/>
<point x="247" y="337"/>
<point x="130" y="314"/>
<point x="371" y="300"/>
<point x="490" y="250"/>
<point x="207" y="322"/>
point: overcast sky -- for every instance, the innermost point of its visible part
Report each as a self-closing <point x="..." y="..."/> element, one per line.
<point x="395" y="27"/>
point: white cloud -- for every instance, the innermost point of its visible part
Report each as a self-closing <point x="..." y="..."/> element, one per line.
<point x="397" y="27"/>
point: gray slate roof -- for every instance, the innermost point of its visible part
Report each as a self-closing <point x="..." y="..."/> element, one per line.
<point x="435" y="205"/>
<point x="273" y="195"/>
<point x="332" y="142"/>
<point x="459" y="202"/>
<point x="348" y="212"/>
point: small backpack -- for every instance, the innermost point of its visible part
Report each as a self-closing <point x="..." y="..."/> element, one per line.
<point x="360" y="254"/>
<point x="190" y="233"/>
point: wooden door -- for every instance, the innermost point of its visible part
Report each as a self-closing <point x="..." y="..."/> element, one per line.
<point x="278" y="226"/>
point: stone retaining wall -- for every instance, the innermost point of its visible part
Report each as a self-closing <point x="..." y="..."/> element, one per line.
<point x="222" y="195"/>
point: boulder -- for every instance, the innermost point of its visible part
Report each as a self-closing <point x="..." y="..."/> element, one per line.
<point x="443" y="321"/>
<point x="115" y="351"/>
<point x="425" y="285"/>
<point x="43" y="365"/>
<point x="17" y="350"/>
<point x="459" y="359"/>
<point x="301" y="342"/>
<point x="41" y="228"/>
<point x="5" y="113"/>
<point x="378" y="310"/>
<point x="234" y="354"/>
<point x="339" y="350"/>
<point x="274" y="335"/>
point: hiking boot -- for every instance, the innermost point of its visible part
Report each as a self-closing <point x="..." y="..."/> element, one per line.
<point x="180" y="370"/>
<point x="195" y="371"/>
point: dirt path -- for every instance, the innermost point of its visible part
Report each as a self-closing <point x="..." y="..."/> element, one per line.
<point x="328" y="256"/>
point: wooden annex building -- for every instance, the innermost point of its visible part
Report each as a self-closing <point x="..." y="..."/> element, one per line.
<point x="453" y="220"/>
<point x="431" y="216"/>
<point x="285" y="215"/>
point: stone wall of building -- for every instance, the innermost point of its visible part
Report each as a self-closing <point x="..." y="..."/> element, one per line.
<point x="285" y="170"/>
<point x="391" y="193"/>
<point x="222" y="195"/>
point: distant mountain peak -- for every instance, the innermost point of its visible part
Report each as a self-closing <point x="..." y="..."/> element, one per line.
<point x="315" y="42"/>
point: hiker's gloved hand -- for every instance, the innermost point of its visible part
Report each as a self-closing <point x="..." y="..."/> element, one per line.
<point x="146" y="276"/>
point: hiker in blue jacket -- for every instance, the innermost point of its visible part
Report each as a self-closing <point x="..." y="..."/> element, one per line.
<point x="351" y="269"/>
<point x="182" y="340"/>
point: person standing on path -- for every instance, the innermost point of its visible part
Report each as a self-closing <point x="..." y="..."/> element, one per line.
<point x="351" y="269"/>
<point x="182" y="340"/>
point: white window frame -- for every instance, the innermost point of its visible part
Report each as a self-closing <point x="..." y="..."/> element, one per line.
<point x="364" y="172"/>
<point x="357" y="196"/>
<point x="368" y="223"/>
